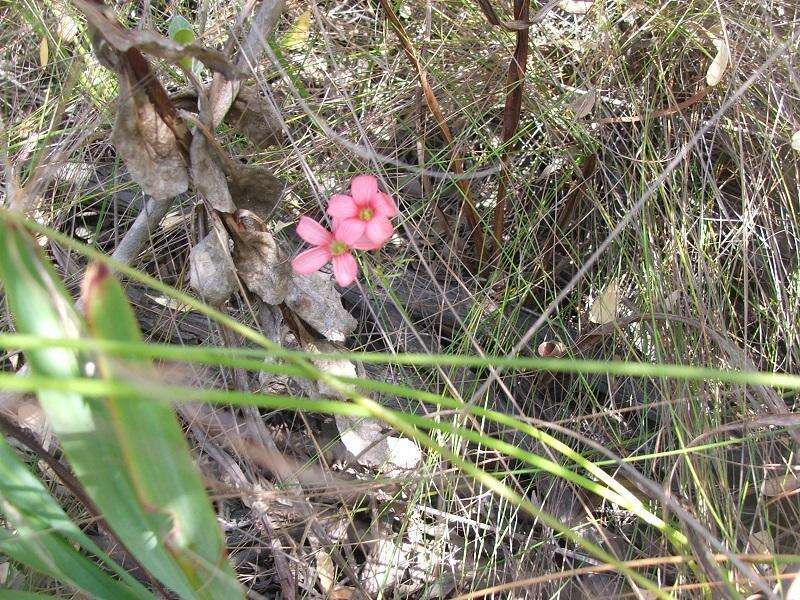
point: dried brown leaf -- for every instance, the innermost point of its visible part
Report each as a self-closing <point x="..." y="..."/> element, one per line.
<point x="720" y="63"/>
<point x="66" y="27"/>
<point x="148" y="146"/>
<point x="784" y="483"/>
<point x="256" y="189"/>
<point x="208" y="177"/>
<point x="761" y="542"/>
<point x="583" y="103"/>
<point x="325" y="571"/>
<point x="211" y="272"/>
<point x="254" y="118"/>
<point x="386" y="562"/>
<point x="605" y="306"/>
<point x="551" y="349"/>
<point x="262" y="265"/>
<point x="44" y="52"/>
<point x="106" y="25"/>
<point x="31" y="416"/>
<point x="314" y="299"/>
<point x="555" y="165"/>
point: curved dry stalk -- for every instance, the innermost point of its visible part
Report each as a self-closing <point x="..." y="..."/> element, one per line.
<point x="515" y="86"/>
<point x="456" y="160"/>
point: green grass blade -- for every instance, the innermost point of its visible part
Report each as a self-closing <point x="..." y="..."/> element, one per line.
<point x="252" y="359"/>
<point x="398" y="421"/>
<point x="559" y="365"/>
<point x="45" y="536"/>
<point x="41" y="306"/>
<point x="363" y="407"/>
<point x="155" y="451"/>
<point x="639" y="369"/>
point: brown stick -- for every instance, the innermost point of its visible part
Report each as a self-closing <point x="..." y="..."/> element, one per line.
<point x="515" y="85"/>
<point x="7" y="427"/>
<point x="639" y="563"/>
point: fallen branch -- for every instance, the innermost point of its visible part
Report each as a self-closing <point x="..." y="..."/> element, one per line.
<point x="147" y="221"/>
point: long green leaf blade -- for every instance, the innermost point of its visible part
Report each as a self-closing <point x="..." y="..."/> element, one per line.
<point x="155" y="451"/>
<point x="40" y="305"/>
<point x="45" y="534"/>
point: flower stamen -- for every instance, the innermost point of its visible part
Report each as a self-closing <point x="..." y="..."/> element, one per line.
<point x="338" y="248"/>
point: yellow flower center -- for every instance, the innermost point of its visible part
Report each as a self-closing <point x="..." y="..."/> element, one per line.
<point x="338" y="248"/>
<point x="365" y="214"/>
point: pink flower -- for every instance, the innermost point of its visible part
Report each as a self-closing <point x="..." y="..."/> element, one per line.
<point x="366" y="210"/>
<point x="328" y="247"/>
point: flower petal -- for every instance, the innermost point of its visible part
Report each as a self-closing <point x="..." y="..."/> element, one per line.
<point x="311" y="260"/>
<point x="313" y="232"/>
<point x="379" y="230"/>
<point x="363" y="188"/>
<point x="342" y="207"/>
<point x="349" y="231"/>
<point x="345" y="269"/>
<point x="364" y="243"/>
<point x="384" y="205"/>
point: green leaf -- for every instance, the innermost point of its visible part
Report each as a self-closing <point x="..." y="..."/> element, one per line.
<point x="181" y="31"/>
<point x="40" y="305"/>
<point x="155" y="452"/>
<point x="45" y="535"/>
